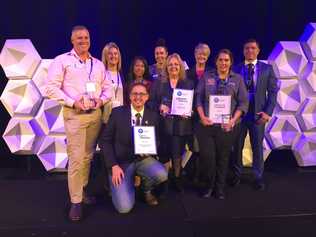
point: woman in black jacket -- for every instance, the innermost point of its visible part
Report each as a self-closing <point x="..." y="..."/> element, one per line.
<point x="175" y="129"/>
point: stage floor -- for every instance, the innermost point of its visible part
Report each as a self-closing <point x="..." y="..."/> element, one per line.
<point x="37" y="206"/>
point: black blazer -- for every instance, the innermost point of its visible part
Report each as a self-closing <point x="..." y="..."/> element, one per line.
<point x="116" y="140"/>
<point x="191" y="74"/>
<point x="266" y="87"/>
<point x="161" y="93"/>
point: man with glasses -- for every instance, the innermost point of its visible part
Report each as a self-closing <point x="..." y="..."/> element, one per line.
<point x="117" y="143"/>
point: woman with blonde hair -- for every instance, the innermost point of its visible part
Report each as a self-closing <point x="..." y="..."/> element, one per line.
<point x="175" y="129"/>
<point x="112" y="59"/>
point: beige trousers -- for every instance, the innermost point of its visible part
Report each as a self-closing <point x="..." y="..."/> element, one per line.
<point x="82" y="130"/>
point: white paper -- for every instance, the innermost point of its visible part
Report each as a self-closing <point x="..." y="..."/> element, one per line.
<point x="145" y="140"/>
<point x="182" y="102"/>
<point x="219" y="107"/>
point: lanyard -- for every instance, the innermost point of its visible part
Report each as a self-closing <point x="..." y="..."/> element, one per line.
<point x="117" y="82"/>
<point x="91" y="66"/>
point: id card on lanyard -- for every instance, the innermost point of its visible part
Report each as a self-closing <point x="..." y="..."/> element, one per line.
<point x="91" y="86"/>
<point x="116" y="87"/>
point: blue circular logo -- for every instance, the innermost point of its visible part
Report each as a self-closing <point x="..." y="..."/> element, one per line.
<point x="216" y="99"/>
<point x="140" y="130"/>
<point x="179" y="93"/>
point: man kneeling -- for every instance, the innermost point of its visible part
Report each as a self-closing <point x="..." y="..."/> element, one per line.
<point x="118" y="149"/>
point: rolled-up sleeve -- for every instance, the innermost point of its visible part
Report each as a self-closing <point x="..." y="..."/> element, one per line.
<point x="55" y="80"/>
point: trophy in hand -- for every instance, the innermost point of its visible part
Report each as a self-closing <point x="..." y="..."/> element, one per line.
<point x="88" y="102"/>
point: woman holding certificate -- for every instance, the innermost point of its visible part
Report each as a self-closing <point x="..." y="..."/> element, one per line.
<point x="221" y="99"/>
<point x="173" y="96"/>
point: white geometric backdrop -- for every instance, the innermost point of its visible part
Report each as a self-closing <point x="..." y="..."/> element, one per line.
<point x="36" y="126"/>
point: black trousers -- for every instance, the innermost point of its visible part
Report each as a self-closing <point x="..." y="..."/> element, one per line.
<point x="215" y="148"/>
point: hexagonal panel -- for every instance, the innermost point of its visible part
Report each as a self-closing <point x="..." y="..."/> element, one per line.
<point x="19" y="59"/>
<point x="21" y="98"/>
<point x="40" y="76"/>
<point x="49" y="118"/>
<point x="288" y="59"/>
<point x="309" y="77"/>
<point x="281" y="131"/>
<point x="308" y="41"/>
<point x="20" y="136"/>
<point x="304" y="149"/>
<point x="289" y="96"/>
<point x="53" y="152"/>
<point x="306" y="115"/>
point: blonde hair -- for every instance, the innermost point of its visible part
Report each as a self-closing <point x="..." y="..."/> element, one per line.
<point x="201" y="47"/>
<point x="105" y="53"/>
<point x="182" y="70"/>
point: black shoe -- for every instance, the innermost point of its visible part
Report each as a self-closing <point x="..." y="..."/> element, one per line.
<point x="88" y="199"/>
<point x="235" y="181"/>
<point x="163" y="190"/>
<point x="206" y="193"/>
<point x="219" y="194"/>
<point x="178" y="185"/>
<point x="259" y="185"/>
<point x="75" y="212"/>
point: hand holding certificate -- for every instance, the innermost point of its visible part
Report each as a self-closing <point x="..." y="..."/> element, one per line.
<point x="182" y="102"/>
<point x="219" y="108"/>
<point x="145" y="140"/>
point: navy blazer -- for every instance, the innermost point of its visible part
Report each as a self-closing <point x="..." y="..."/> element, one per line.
<point x="266" y="87"/>
<point x="116" y="140"/>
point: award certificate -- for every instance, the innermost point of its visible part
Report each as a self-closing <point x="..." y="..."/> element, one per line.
<point x="219" y="108"/>
<point x="145" y="140"/>
<point x="182" y="102"/>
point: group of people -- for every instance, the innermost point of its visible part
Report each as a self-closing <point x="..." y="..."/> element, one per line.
<point x="100" y="106"/>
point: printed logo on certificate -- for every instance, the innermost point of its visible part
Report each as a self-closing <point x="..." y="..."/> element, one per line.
<point x="182" y="102"/>
<point x="144" y="140"/>
<point x="219" y="108"/>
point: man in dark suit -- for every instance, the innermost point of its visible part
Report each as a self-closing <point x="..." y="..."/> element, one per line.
<point x="262" y="90"/>
<point x="118" y="150"/>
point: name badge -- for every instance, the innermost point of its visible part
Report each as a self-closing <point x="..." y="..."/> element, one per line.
<point x="91" y="87"/>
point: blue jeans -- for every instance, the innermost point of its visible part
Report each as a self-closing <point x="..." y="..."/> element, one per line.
<point x="152" y="173"/>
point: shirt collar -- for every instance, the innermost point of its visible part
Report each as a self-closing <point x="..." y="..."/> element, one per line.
<point x="254" y="62"/>
<point x="73" y="52"/>
<point x="134" y="112"/>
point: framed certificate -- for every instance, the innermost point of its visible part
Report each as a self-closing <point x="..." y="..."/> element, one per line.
<point x="182" y="102"/>
<point x="144" y="140"/>
<point x="219" y="108"/>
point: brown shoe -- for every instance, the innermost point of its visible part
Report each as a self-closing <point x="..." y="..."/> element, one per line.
<point x="150" y="199"/>
<point x="75" y="212"/>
